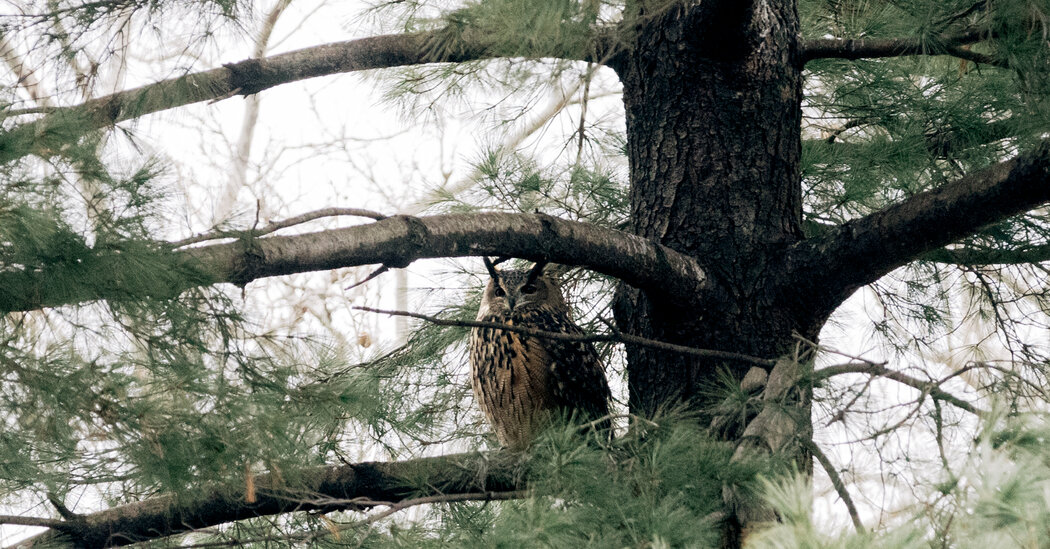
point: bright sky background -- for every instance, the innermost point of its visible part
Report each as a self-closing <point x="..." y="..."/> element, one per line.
<point x="333" y="142"/>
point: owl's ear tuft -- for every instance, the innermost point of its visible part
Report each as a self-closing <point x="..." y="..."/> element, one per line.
<point x="536" y="271"/>
<point x="491" y="267"/>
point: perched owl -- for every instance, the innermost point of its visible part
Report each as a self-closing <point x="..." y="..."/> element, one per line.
<point x="519" y="380"/>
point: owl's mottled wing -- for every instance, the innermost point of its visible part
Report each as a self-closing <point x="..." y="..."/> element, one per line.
<point x="577" y="377"/>
<point x="510" y="384"/>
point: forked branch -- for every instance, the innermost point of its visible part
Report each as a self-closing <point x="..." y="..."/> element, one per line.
<point x="827" y="269"/>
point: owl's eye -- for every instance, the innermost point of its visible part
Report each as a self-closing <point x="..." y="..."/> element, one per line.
<point x="528" y="289"/>
<point x="498" y="292"/>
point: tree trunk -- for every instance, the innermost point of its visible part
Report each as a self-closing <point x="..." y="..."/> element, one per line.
<point x="713" y="100"/>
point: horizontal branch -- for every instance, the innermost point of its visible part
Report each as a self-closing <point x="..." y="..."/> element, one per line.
<point x="941" y="142"/>
<point x="49" y="134"/>
<point x="931" y="387"/>
<point x="864" y="48"/>
<point x="990" y="256"/>
<point x="618" y="337"/>
<point x="30" y="521"/>
<point x="396" y="242"/>
<point x="830" y="267"/>
<point x="331" y="488"/>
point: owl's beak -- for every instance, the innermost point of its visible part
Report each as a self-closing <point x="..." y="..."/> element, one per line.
<point x="510" y="302"/>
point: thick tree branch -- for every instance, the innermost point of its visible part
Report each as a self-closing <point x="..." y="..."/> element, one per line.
<point x="861" y="48"/>
<point x="47" y="135"/>
<point x="966" y="254"/>
<point x="396" y="242"/>
<point x="331" y="488"/>
<point x="827" y="269"/>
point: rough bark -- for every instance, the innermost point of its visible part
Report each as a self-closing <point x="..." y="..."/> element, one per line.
<point x="332" y="488"/>
<point x="712" y="94"/>
<point x="394" y="241"/>
<point x="47" y="136"/>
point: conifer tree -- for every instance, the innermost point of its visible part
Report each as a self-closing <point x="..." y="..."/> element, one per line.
<point x="782" y="172"/>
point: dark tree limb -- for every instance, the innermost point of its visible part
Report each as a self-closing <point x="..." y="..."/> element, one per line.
<point x="829" y="268"/>
<point x="395" y="241"/>
<point x="331" y="488"/>
<point x="47" y="135"/>
<point x="941" y="142"/>
<point x="865" y="48"/>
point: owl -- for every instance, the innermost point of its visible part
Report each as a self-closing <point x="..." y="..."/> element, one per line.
<point x="520" y="380"/>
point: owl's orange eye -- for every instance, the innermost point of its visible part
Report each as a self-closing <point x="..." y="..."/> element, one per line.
<point x="498" y="292"/>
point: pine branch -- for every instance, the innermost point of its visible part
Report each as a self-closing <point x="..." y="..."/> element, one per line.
<point x="941" y="142"/>
<point x="617" y="337"/>
<point x="396" y="242"/>
<point x="278" y="225"/>
<point x="931" y="388"/>
<point x="836" y="482"/>
<point x="980" y="256"/>
<point x="351" y="487"/>
<point x="832" y="266"/>
<point x="32" y="521"/>
<point x="862" y="48"/>
<point x="47" y="135"/>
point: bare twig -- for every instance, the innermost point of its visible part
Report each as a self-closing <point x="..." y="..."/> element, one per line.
<point x="276" y="226"/>
<point x="836" y="481"/>
<point x="382" y="269"/>
<point x="560" y="336"/>
<point x="929" y="387"/>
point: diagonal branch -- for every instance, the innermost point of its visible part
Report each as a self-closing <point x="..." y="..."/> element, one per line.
<point x="47" y="135"/>
<point x="836" y="482"/>
<point x="330" y="488"/>
<point x="830" y="267"/>
<point x="862" y="48"/>
<point x="395" y="241"/>
<point x="932" y="388"/>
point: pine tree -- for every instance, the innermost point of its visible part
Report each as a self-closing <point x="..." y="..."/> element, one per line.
<point x="778" y="158"/>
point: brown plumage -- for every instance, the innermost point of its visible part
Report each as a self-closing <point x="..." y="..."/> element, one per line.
<point x="519" y="380"/>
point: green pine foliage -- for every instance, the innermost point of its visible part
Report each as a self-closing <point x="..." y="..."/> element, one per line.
<point x="996" y="497"/>
<point x="165" y="390"/>
<point x="656" y="486"/>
